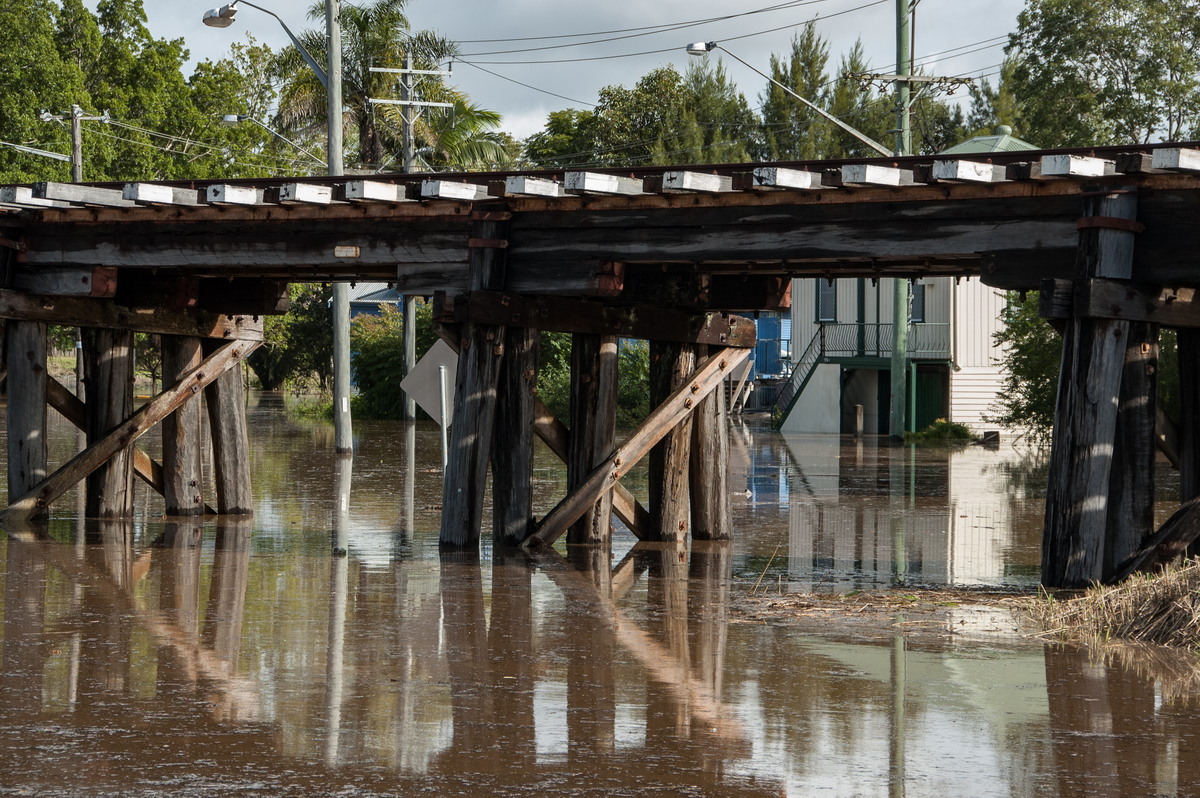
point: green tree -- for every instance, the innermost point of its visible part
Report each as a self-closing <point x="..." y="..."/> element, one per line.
<point x="298" y="347"/>
<point x="568" y="139"/>
<point x="1107" y="71"/>
<point x="866" y="110"/>
<point x="378" y="34"/>
<point x="377" y="359"/>
<point x="1030" y="354"/>
<point x="715" y="123"/>
<point x="33" y="77"/>
<point x="793" y="131"/>
<point x="998" y="105"/>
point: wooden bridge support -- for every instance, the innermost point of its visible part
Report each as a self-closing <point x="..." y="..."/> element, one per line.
<point x="225" y="399"/>
<point x="671" y="365"/>
<point x="108" y="370"/>
<point x="27" y="453"/>
<point x="593" y="429"/>
<point x="513" y="433"/>
<point x="1100" y="496"/>
<point x="710" y="467"/>
<point x="182" y="466"/>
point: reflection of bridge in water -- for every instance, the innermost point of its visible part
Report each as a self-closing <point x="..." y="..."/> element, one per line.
<point x="201" y="665"/>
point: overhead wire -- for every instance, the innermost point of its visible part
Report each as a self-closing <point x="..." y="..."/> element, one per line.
<point x="676" y="48"/>
<point x="670" y="27"/>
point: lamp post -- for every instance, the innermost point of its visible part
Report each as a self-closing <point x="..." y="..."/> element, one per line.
<point x="331" y="79"/>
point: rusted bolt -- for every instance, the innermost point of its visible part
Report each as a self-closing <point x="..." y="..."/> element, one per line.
<point x="695" y="388"/>
<point x="688" y="404"/>
<point x="723" y="365"/>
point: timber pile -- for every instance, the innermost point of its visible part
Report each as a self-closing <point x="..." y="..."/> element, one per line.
<point x="1163" y="609"/>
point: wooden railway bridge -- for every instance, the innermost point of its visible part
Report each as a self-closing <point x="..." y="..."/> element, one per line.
<point x="669" y="255"/>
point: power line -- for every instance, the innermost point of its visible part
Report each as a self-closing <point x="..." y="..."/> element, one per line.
<point x="528" y="86"/>
<point x="653" y="30"/>
<point x="677" y="48"/>
<point x="629" y="30"/>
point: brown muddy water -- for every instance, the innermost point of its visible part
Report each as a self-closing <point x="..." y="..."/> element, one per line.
<point x="244" y="658"/>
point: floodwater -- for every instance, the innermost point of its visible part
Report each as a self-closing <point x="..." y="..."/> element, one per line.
<point x="245" y="658"/>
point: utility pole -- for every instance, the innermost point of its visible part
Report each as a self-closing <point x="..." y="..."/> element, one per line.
<point x="409" y="156"/>
<point x="343" y="432"/>
<point x="900" y="309"/>
<point x="409" y="410"/>
<point x="76" y="144"/>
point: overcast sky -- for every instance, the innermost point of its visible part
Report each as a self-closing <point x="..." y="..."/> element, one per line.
<point x="953" y="37"/>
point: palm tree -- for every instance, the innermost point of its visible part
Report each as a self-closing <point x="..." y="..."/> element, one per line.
<point x="378" y="35"/>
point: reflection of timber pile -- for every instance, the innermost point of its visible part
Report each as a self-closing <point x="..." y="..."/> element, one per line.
<point x="1162" y="608"/>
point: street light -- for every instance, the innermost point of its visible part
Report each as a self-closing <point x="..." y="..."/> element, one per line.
<point x="233" y="119"/>
<point x="704" y="48"/>
<point x="331" y="79"/>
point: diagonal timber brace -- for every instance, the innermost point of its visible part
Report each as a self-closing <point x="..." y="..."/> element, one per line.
<point x="675" y="409"/>
<point x="124" y="435"/>
<point x="556" y="436"/>
<point x="72" y="409"/>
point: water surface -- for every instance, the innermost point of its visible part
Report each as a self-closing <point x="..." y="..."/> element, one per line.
<point x="243" y="657"/>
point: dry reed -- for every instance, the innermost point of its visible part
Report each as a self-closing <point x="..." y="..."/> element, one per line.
<point x="1162" y="608"/>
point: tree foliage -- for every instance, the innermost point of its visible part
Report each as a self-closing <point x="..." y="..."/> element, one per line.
<point x="298" y="346"/>
<point x="1108" y="72"/>
<point x="377" y="358"/>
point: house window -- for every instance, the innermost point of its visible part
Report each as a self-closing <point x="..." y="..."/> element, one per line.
<point x="918" y="303"/>
<point x="826" y="300"/>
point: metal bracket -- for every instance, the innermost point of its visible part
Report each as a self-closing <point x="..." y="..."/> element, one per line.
<point x="1110" y="223"/>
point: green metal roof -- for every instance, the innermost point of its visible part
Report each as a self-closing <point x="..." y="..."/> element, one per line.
<point x="1001" y="141"/>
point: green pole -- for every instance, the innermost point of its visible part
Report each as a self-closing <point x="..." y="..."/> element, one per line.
<point x="900" y="287"/>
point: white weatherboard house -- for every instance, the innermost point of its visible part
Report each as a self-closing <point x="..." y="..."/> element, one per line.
<point x="842" y="344"/>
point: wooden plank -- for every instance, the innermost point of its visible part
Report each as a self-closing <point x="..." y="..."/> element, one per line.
<point x="76" y="194"/>
<point x="665" y="417"/>
<point x="26" y="393"/>
<point x="228" y="194"/>
<point x="183" y="475"/>
<point x="597" y="183"/>
<point x="1096" y="298"/>
<point x="452" y="190"/>
<point x="93" y="281"/>
<point x="90" y="312"/>
<point x="304" y="194"/>
<point x="671" y="366"/>
<point x="520" y="185"/>
<point x="159" y="194"/>
<point x="593" y="429"/>
<point x="1076" y="166"/>
<point x="869" y="174"/>
<point x="374" y="191"/>
<point x="1184" y="159"/>
<point x="22" y="196"/>
<point x="1077" y="500"/>
<point x="141" y="422"/>
<point x="778" y="177"/>
<point x="686" y="182"/>
<point x="968" y="171"/>
<point x="225" y="399"/>
<point x="513" y="434"/>
<point x="72" y="409"/>
<point x="709" y="467"/>
<point x="586" y="317"/>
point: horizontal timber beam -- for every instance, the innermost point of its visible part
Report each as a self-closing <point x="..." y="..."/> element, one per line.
<point x="93" y="281"/>
<point x="126" y="433"/>
<point x="90" y="312"/>
<point x="662" y="420"/>
<point x="561" y="314"/>
<point x="1098" y="298"/>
